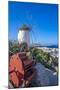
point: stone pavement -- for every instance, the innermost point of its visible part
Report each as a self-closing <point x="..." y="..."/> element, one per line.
<point x="44" y="77"/>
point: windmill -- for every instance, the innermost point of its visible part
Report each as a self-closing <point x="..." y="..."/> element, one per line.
<point x="24" y="33"/>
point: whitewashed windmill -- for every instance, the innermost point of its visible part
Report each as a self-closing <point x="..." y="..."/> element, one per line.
<point x="24" y="32"/>
<point x="23" y="35"/>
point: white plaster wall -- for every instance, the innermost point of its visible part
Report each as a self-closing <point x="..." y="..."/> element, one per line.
<point x="23" y="36"/>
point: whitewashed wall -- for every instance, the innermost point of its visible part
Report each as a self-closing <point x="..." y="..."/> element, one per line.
<point x="23" y="36"/>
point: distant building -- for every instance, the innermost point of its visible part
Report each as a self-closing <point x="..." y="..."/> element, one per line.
<point x="52" y="51"/>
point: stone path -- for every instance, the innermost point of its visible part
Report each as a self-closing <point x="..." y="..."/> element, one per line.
<point x="44" y="76"/>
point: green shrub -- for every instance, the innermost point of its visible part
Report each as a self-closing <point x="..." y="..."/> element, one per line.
<point x="44" y="58"/>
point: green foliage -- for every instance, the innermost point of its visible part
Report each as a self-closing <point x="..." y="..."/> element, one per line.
<point x="39" y="58"/>
<point x="44" y="58"/>
<point x="23" y="47"/>
<point x="13" y="47"/>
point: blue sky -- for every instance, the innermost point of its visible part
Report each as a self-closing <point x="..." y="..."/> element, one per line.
<point x="42" y="17"/>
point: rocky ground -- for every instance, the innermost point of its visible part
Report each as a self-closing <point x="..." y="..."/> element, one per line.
<point x="44" y="77"/>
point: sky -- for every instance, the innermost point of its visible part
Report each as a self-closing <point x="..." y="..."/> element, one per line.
<point x="43" y="18"/>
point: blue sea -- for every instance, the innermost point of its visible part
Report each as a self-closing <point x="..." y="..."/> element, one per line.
<point x="52" y="46"/>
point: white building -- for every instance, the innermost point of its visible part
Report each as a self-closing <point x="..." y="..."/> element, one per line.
<point x="23" y="35"/>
